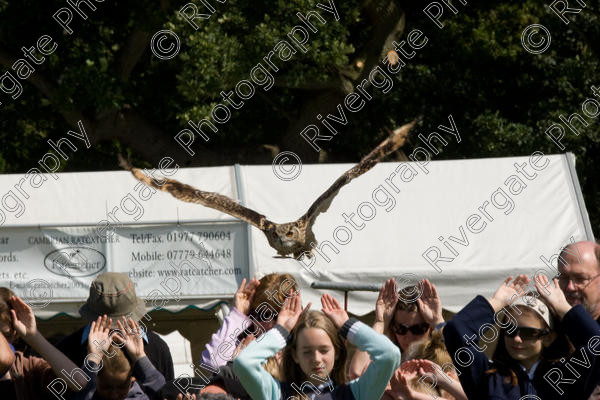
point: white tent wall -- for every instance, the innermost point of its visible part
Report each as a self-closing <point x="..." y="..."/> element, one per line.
<point x="85" y="198"/>
<point x="545" y="214"/>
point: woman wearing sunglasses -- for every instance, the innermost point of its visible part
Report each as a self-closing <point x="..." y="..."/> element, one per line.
<point x="406" y="316"/>
<point x="528" y="346"/>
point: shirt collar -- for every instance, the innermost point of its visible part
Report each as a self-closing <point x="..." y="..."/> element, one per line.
<point x="86" y="333"/>
<point x="531" y="371"/>
<point x="326" y="386"/>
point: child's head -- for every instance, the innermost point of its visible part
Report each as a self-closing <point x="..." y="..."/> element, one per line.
<point x="269" y="296"/>
<point x="115" y="378"/>
<point x="6" y="327"/>
<point x="529" y="335"/>
<point x="532" y="334"/>
<point x="433" y="349"/>
<point x="213" y="396"/>
<point x="422" y="387"/>
<point x="315" y="342"/>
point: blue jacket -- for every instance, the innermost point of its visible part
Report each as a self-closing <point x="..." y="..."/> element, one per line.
<point x="261" y="385"/>
<point x="581" y="329"/>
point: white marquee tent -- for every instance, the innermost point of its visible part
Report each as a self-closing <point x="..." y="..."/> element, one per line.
<point x="481" y="218"/>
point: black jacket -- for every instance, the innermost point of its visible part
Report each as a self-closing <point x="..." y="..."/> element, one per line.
<point x="473" y="364"/>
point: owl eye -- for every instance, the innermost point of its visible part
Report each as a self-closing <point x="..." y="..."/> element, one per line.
<point x="289" y="234"/>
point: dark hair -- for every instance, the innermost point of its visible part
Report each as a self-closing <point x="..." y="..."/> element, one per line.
<point x="5" y="315"/>
<point x="118" y="363"/>
<point x="407" y="301"/>
<point x="506" y="366"/>
<point x="272" y="283"/>
<point x="214" y="396"/>
<point x="430" y="348"/>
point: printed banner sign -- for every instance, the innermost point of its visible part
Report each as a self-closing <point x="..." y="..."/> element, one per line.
<point x="188" y="261"/>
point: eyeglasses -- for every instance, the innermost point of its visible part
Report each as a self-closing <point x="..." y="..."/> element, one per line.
<point x="417" y="329"/>
<point x="526" y="333"/>
<point x="578" y="281"/>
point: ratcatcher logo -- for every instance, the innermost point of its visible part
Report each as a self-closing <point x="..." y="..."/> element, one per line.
<point x="75" y="261"/>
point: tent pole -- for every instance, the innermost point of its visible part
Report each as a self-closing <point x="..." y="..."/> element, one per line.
<point x="346" y="300"/>
<point x="242" y="198"/>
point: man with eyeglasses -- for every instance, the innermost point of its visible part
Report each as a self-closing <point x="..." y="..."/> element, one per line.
<point x="579" y="270"/>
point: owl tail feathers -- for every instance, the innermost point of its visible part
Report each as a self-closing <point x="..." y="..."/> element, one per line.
<point x="139" y="175"/>
<point x="398" y="136"/>
<point x="125" y="164"/>
<point x="303" y="253"/>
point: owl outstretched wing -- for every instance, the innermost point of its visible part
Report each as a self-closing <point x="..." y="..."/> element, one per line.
<point x="389" y="145"/>
<point x="190" y="194"/>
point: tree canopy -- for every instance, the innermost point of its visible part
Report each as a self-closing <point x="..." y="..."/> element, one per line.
<point x="502" y="97"/>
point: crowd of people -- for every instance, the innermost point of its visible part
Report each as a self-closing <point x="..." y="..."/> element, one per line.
<point x="536" y="338"/>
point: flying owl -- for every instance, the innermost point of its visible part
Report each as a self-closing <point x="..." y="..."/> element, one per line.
<point x="297" y="237"/>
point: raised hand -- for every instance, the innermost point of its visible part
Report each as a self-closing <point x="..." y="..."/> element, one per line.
<point x="551" y="293"/>
<point x="332" y="308"/>
<point x="244" y="295"/>
<point x="243" y="344"/>
<point x="416" y="365"/>
<point x="444" y="380"/>
<point x="98" y="341"/>
<point x="389" y="394"/>
<point x="134" y="344"/>
<point x="430" y="304"/>
<point x="429" y="367"/>
<point x="23" y="318"/>
<point x="386" y="303"/>
<point x="400" y="388"/>
<point x="509" y="291"/>
<point x="290" y="312"/>
<point x="187" y="396"/>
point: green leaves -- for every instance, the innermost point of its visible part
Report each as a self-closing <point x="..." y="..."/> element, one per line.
<point x="502" y="97"/>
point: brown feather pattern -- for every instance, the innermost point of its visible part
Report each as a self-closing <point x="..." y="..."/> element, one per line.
<point x="295" y="237"/>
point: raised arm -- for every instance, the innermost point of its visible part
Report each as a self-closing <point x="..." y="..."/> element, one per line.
<point x="444" y="380"/>
<point x="384" y="353"/>
<point x="401" y="390"/>
<point x="430" y="304"/>
<point x="234" y="322"/>
<point x="384" y="313"/>
<point x="147" y="376"/>
<point x="509" y="291"/>
<point x="98" y="344"/>
<point x="248" y="364"/>
<point x="551" y="293"/>
<point x="26" y="326"/>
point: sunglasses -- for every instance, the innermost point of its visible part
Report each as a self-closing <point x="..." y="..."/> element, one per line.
<point x="417" y="329"/>
<point x="526" y="333"/>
